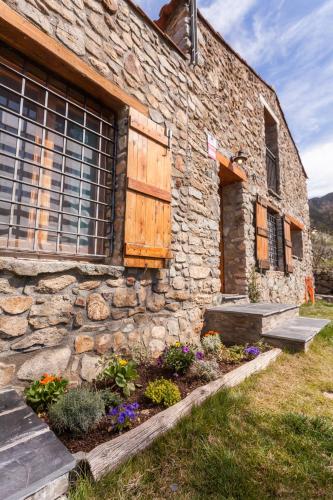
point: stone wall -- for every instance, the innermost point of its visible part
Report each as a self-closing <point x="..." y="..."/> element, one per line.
<point x="59" y="315"/>
<point x="324" y="281"/>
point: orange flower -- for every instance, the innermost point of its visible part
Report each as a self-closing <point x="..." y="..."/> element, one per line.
<point x="46" y="379"/>
<point x="211" y="332"/>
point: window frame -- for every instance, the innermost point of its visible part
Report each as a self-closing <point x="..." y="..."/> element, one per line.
<point x="42" y="167"/>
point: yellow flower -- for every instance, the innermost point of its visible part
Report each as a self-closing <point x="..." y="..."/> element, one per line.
<point x="177" y="344"/>
<point x="123" y="362"/>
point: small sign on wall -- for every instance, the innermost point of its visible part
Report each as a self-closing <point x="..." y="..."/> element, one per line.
<point x="212" y="146"/>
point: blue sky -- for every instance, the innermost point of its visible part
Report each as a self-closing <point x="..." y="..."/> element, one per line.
<point x="290" y="43"/>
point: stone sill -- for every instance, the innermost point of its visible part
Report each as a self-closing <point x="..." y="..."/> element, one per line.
<point x="34" y="267"/>
<point x="276" y="195"/>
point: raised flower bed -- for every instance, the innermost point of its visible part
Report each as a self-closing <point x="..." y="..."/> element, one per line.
<point x="132" y="403"/>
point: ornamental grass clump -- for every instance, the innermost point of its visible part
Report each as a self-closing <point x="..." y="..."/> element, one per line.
<point x="45" y="392"/>
<point x="178" y="357"/>
<point x="122" y="416"/>
<point x="122" y="373"/>
<point x="77" y="411"/>
<point x="211" y="344"/>
<point x="163" y="392"/>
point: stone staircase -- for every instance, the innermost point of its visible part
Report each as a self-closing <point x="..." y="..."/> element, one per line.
<point x="277" y="324"/>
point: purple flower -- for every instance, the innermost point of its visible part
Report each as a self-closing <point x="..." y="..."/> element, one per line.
<point x="135" y="406"/>
<point x="185" y="349"/>
<point x="113" y="412"/>
<point x="252" y="351"/>
<point x="199" y="355"/>
<point x="121" y="419"/>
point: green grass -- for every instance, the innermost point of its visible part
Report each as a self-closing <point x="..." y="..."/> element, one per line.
<point x="271" y="437"/>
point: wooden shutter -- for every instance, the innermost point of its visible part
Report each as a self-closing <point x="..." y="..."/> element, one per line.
<point x="262" y="235"/>
<point x="288" y="245"/>
<point x="148" y="195"/>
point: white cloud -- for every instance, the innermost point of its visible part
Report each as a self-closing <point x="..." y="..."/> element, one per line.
<point x="318" y="162"/>
<point x="225" y="15"/>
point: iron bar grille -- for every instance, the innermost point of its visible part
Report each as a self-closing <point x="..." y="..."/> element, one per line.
<point x="273" y="240"/>
<point x="272" y="171"/>
<point x="57" y="153"/>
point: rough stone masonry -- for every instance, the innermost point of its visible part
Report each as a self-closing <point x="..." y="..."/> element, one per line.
<point x="59" y="316"/>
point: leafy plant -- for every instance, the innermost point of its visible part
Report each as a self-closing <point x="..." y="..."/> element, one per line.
<point x="123" y="415"/>
<point x="110" y="398"/>
<point x="253" y="288"/>
<point x="122" y="372"/>
<point x="178" y="357"/>
<point x="233" y="354"/>
<point x="211" y="344"/>
<point x="205" y="370"/>
<point x="164" y="392"/>
<point x="45" y="391"/>
<point x="77" y="411"/>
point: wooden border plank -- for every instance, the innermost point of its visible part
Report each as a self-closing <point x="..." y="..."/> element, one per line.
<point x="142" y="187"/>
<point x="145" y="251"/>
<point x="108" y="456"/>
<point x="22" y="35"/>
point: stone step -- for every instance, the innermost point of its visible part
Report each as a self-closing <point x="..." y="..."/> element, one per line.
<point x="33" y="462"/>
<point x="295" y="335"/>
<point x="242" y="323"/>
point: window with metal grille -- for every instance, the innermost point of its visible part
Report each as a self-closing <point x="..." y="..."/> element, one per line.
<point x="273" y="240"/>
<point x="272" y="165"/>
<point x="57" y="152"/>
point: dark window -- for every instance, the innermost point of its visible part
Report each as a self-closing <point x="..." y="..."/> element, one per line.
<point x="57" y="148"/>
<point x="272" y="157"/>
<point x="275" y="241"/>
<point x="297" y="243"/>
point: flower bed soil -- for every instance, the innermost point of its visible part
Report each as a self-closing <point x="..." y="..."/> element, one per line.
<point x="103" y="431"/>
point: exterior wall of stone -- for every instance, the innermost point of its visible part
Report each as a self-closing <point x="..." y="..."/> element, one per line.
<point x="324" y="281"/>
<point x="91" y="308"/>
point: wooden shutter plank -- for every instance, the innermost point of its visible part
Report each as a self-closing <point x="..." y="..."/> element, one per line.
<point x="148" y="209"/>
<point x="148" y="132"/>
<point x="262" y="235"/>
<point x="288" y="245"/>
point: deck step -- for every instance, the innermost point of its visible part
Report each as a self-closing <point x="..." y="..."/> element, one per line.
<point x="295" y="335"/>
<point x="32" y="459"/>
<point x="241" y="323"/>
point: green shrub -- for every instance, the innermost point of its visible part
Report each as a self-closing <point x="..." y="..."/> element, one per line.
<point x="205" y="370"/>
<point x="45" y="391"/>
<point x="211" y="344"/>
<point x="163" y="391"/>
<point x="111" y="399"/>
<point x="77" y="411"/>
<point x="178" y="357"/>
<point x="233" y="354"/>
<point x="122" y="373"/>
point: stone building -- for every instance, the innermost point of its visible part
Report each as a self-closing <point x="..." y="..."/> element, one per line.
<point x="117" y="228"/>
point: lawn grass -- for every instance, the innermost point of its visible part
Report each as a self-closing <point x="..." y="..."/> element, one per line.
<point x="271" y="437"/>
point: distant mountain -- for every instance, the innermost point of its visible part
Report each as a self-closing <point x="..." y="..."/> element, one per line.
<point x="321" y="213"/>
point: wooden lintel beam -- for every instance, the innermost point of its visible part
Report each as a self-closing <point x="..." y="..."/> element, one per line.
<point x="22" y="35"/>
<point x="230" y="171"/>
<point x="145" y="251"/>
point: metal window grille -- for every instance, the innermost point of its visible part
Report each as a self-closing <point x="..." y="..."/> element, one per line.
<point x="273" y="240"/>
<point x="57" y="154"/>
<point x="272" y="171"/>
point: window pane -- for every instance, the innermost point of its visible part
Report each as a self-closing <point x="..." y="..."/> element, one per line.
<point x="49" y="199"/>
<point x="87" y="245"/>
<point x="92" y="139"/>
<point x="33" y="111"/>
<point x="9" y="122"/>
<point x="90" y="173"/>
<point x="55" y="122"/>
<point x="35" y="92"/>
<point x="57" y="104"/>
<point x="91" y="156"/>
<point x="93" y="123"/>
<point x="50" y="180"/>
<point x="24" y="216"/>
<point x="30" y="152"/>
<point x="28" y="173"/>
<point x="32" y="132"/>
<point x="89" y="191"/>
<point x="54" y="141"/>
<point x="73" y="149"/>
<point x="107" y="147"/>
<point x="69" y="224"/>
<point x="48" y="220"/>
<point x="70" y="205"/>
<point x="8" y="143"/>
<point x="68" y="243"/>
<point x="87" y="226"/>
<point x="7" y="166"/>
<point x="46" y="241"/>
<point x="71" y="186"/>
<point x="73" y="167"/>
<point x="9" y="100"/>
<point x="4" y="212"/>
<point x="53" y="161"/>
<point x="75" y="131"/>
<point x="88" y="208"/>
<point x="75" y="114"/>
<point x="22" y="238"/>
<point x="10" y="79"/>
<point x="6" y="189"/>
<point x="26" y="194"/>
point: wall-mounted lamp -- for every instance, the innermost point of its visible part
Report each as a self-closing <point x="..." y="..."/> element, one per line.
<point x="239" y="158"/>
